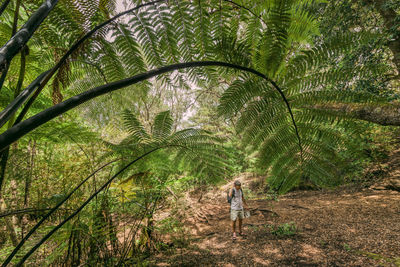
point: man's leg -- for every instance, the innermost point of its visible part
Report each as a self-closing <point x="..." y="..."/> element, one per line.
<point x="241" y="217"/>
<point x="233" y="218"/>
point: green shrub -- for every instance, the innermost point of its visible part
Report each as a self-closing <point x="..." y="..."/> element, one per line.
<point x="285" y="229"/>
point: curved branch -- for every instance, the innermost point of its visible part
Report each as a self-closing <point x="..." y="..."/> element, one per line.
<point x="39" y="83"/>
<point x="54" y="209"/>
<point x="33" y="249"/>
<point x="46" y="76"/>
<point x="7" y="113"/>
<point x="4" y="75"/>
<point x="37" y="86"/>
<point x="22" y="128"/>
<point x="24" y="211"/>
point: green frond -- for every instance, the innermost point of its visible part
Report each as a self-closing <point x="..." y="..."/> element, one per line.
<point x="162" y="127"/>
<point x="332" y="96"/>
<point x="163" y="22"/>
<point x="145" y="33"/>
<point x="232" y="51"/>
<point x="314" y="58"/>
<point x="183" y="30"/>
<point x="241" y="91"/>
<point x="130" y="51"/>
<point x="64" y="133"/>
<point x="202" y="29"/>
<point x="135" y="127"/>
<point x="275" y="41"/>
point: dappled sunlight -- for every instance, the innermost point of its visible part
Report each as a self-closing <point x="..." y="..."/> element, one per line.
<point x="133" y="131"/>
<point x="331" y="227"/>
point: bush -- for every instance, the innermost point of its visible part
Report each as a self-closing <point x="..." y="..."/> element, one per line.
<point x="285" y="229"/>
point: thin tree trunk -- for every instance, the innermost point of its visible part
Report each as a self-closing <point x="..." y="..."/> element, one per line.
<point x="390" y="20"/>
<point x="28" y="180"/>
<point x="16" y="13"/>
<point x="14" y="199"/>
<point x="385" y="115"/>
<point x="8" y="223"/>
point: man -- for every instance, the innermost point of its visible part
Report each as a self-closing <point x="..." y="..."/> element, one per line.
<point x="237" y="201"/>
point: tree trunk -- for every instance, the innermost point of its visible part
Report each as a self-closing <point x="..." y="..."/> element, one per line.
<point x="8" y="223"/>
<point x="28" y="180"/>
<point x="385" y="115"/>
<point x="390" y="19"/>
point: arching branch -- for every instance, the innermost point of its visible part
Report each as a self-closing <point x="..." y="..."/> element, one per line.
<point x="33" y="249"/>
<point x="37" y="86"/>
<point x="24" y="211"/>
<point x="22" y="128"/>
<point x="54" y="209"/>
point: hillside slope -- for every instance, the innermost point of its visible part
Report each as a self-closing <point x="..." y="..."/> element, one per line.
<point x="344" y="227"/>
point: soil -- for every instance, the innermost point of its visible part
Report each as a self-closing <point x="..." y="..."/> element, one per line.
<point x="342" y="227"/>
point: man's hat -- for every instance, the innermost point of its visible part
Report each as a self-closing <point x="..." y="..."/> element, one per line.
<point x="237" y="182"/>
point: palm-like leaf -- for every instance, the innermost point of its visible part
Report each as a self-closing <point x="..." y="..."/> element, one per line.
<point x="308" y="79"/>
<point x="162" y="127"/>
<point x="196" y="150"/>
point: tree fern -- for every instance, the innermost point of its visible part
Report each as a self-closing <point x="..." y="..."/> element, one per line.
<point x="263" y="35"/>
<point x="308" y="80"/>
<point x="196" y="149"/>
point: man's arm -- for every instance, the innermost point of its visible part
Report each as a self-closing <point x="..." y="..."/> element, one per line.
<point x="244" y="201"/>
<point x="230" y="196"/>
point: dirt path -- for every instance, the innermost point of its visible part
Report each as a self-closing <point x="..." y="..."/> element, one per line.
<point x="335" y="228"/>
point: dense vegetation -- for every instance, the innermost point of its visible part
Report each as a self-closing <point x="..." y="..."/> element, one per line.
<point x="109" y="117"/>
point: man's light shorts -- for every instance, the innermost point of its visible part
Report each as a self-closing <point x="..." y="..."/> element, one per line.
<point x="237" y="213"/>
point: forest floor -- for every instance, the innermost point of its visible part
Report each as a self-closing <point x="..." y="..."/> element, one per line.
<point x="343" y="227"/>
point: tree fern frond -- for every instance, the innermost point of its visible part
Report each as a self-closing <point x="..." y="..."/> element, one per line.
<point x="313" y="58"/>
<point x="162" y="127"/>
<point x="276" y="38"/>
<point x="129" y="50"/>
<point x="240" y="92"/>
<point x="333" y="96"/>
<point x="202" y="29"/>
<point x="134" y="127"/>
<point x="141" y="24"/>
